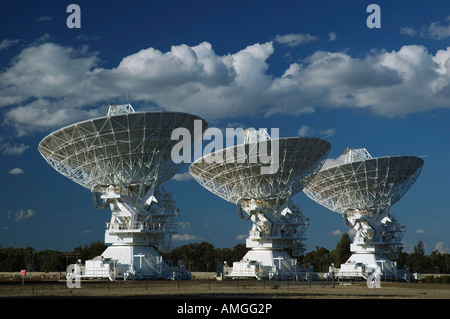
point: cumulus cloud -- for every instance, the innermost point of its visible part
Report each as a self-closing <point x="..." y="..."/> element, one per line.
<point x="387" y="83"/>
<point x="48" y="85"/>
<point x="59" y="85"/>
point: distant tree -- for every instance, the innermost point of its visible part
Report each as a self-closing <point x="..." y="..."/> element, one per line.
<point x="402" y="260"/>
<point x="417" y="261"/>
<point x="342" y="251"/>
<point x="238" y="252"/>
<point x="29" y="257"/>
<point x="320" y="258"/>
<point x="50" y="260"/>
<point x="90" y="251"/>
<point x="196" y="257"/>
<point x="419" y="249"/>
<point x="11" y="259"/>
<point x="437" y="262"/>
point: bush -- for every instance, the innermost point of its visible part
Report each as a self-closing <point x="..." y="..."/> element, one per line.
<point x="437" y="279"/>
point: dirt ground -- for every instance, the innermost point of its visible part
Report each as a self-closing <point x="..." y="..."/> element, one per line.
<point x="51" y="287"/>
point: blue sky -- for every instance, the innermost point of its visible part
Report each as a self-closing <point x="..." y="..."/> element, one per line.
<point x="306" y="67"/>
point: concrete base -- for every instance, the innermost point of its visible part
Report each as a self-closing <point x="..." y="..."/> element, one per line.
<point x="136" y="262"/>
<point x="259" y="263"/>
<point x="363" y="265"/>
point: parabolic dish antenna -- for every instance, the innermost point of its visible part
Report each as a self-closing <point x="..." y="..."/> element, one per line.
<point x="237" y="175"/>
<point x="363" y="189"/>
<point x="123" y="158"/>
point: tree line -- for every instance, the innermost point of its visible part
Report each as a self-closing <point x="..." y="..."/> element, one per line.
<point x="204" y="257"/>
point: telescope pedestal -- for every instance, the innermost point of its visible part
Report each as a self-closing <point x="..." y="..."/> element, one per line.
<point x="275" y="228"/>
<point x="135" y="229"/>
<point x="376" y="244"/>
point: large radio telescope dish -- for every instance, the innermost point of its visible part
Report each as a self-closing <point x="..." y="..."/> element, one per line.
<point x="363" y="189"/>
<point x="265" y="198"/>
<point x="123" y="158"/>
<point x="122" y="150"/>
<point x="371" y="185"/>
<point x="299" y="160"/>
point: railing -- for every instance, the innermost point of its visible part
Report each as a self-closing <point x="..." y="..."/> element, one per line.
<point x="138" y="226"/>
<point x="257" y="203"/>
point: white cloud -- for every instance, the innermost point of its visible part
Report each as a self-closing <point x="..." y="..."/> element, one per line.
<point x="9" y="149"/>
<point x="184" y="225"/>
<point x="336" y="232"/>
<point x="436" y="30"/>
<point x="327" y="132"/>
<point x="408" y="31"/>
<point x="332" y="37"/>
<point x="305" y="130"/>
<point x="440" y="247"/>
<point x="60" y="85"/>
<point x="44" y="18"/>
<point x="6" y="43"/>
<point x="21" y="214"/>
<point x="295" y="39"/>
<point x="329" y="162"/>
<point x="420" y="231"/>
<point x="184" y="237"/>
<point x="241" y="237"/>
<point x="389" y="84"/>
<point x="16" y="171"/>
<point x="182" y="177"/>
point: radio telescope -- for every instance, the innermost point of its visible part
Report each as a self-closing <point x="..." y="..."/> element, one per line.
<point x="123" y="159"/>
<point x="363" y="189"/>
<point x="265" y="198"/>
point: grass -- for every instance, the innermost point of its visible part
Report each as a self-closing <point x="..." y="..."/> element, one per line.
<point x="210" y="288"/>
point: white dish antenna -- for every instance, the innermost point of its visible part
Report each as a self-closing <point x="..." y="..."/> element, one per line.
<point x="363" y="189"/>
<point x="278" y="224"/>
<point x="123" y="158"/>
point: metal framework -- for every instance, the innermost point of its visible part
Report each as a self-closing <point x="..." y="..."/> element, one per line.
<point x="278" y="224"/>
<point x="123" y="159"/>
<point x="241" y="178"/>
<point x="363" y="189"/>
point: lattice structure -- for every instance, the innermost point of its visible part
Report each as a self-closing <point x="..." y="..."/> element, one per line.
<point x="123" y="159"/>
<point x="369" y="185"/>
<point x="235" y="174"/>
<point x="122" y="150"/>
<point x="363" y="190"/>
<point x="241" y="177"/>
